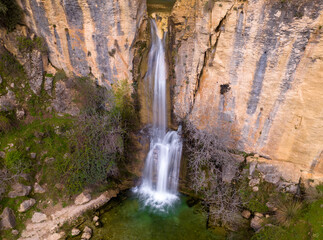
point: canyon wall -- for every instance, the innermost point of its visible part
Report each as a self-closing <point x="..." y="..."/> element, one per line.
<point x="87" y="36"/>
<point x="255" y="68"/>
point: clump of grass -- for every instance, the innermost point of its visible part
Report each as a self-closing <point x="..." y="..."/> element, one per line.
<point x="288" y="211"/>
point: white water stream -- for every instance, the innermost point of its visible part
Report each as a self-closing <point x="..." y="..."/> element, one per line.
<point x="160" y="177"/>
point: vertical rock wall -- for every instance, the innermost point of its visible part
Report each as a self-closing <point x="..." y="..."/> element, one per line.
<point x="255" y="66"/>
<point x="88" y="36"/>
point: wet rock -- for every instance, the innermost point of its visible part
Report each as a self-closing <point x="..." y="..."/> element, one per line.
<point x="256" y="223"/>
<point x="38" y="188"/>
<point x="19" y="190"/>
<point x="8" y="219"/>
<point x="246" y="214"/>
<point x="26" y="205"/>
<point x="87" y="233"/>
<point x="82" y="198"/>
<point x="75" y="232"/>
<point x="38" y="217"/>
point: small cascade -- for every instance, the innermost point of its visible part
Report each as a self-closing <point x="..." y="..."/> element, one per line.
<point x="160" y="178"/>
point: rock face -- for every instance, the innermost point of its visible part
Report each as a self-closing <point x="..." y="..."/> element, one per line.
<point x="7" y="219"/>
<point x="86" y="37"/>
<point x="253" y="67"/>
<point x="19" y="190"/>
<point x="26" y="205"/>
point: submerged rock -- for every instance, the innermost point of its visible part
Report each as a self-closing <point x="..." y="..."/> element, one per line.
<point x="26" y="205"/>
<point x="82" y="198"/>
<point x="19" y="190"/>
<point x="8" y="219"/>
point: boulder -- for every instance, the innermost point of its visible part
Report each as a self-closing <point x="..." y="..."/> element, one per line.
<point x="75" y="232"/>
<point x="38" y="188"/>
<point x="82" y="198"/>
<point x="26" y="205"/>
<point x="256" y="223"/>
<point x="38" y="217"/>
<point x="33" y="155"/>
<point x="20" y="113"/>
<point x="19" y="190"/>
<point x="253" y="182"/>
<point x="48" y="85"/>
<point x="95" y="218"/>
<point x="246" y="214"/>
<point x="15" y="232"/>
<point x="8" y="219"/>
<point x="8" y="101"/>
<point x="87" y="233"/>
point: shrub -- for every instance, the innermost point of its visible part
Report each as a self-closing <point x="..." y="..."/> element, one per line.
<point x="5" y="125"/>
<point x="11" y="14"/>
<point x="17" y="162"/>
<point x="209" y="153"/>
<point x="288" y="211"/>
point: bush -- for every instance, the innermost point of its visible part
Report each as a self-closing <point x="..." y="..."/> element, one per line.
<point x="288" y="211"/>
<point x="11" y="14"/>
<point x="209" y="153"/>
<point x="17" y="162"/>
<point x="5" y="125"/>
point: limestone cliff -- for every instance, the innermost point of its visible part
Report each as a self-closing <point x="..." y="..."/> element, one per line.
<point x="256" y="67"/>
<point x="87" y="37"/>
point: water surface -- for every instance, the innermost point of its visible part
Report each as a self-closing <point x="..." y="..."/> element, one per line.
<point x="126" y="218"/>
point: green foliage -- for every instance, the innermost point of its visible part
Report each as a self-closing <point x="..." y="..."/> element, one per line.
<point x="16" y="161"/>
<point x="11" y="14"/>
<point x="26" y="44"/>
<point x="124" y="104"/>
<point x="256" y="201"/>
<point x="60" y="75"/>
<point x="4" y="124"/>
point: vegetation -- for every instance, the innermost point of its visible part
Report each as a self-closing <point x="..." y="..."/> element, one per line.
<point x="209" y="155"/>
<point x="10" y="14"/>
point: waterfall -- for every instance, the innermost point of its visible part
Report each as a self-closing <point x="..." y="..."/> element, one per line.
<point x="160" y="177"/>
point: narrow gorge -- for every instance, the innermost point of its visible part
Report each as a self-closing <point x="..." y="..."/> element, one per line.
<point x="161" y="119"/>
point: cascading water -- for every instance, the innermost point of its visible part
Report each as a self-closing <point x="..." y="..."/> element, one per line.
<point x="160" y="178"/>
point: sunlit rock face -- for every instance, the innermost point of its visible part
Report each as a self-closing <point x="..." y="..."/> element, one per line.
<point x="255" y="66"/>
<point x="88" y="36"/>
